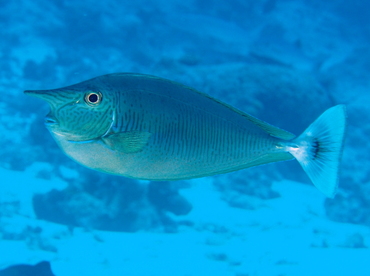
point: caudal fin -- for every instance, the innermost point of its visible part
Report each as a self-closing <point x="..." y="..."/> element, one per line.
<point x="319" y="149"/>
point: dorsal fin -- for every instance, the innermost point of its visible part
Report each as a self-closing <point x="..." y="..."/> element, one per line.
<point x="272" y="130"/>
<point x="167" y="88"/>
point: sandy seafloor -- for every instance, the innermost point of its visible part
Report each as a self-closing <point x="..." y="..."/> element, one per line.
<point x="283" y="61"/>
<point x="289" y="235"/>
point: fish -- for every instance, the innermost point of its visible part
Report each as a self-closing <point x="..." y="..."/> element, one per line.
<point x="146" y="127"/>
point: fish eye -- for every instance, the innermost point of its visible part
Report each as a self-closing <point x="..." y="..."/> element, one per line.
<point x="93" y="98"/>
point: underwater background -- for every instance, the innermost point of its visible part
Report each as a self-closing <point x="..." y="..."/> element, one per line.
<point x="283" y="61"/>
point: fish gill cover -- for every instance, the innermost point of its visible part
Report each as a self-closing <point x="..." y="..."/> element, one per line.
<point x="284" y="62"/>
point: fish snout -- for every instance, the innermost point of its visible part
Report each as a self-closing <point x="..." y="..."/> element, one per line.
<point x="46" y="95"/>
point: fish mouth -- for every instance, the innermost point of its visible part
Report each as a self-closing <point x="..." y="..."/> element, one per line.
<point x="49" y="121"/>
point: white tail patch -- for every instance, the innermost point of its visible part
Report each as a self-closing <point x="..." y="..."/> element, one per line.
<point x="319" y="149"/>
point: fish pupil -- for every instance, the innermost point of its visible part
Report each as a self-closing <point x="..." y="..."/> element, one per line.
<point x="93" y="98"/>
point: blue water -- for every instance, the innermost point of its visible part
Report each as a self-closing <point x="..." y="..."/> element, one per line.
<point x="282" y="61"/>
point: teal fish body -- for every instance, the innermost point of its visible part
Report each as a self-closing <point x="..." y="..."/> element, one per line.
<point x="146" y="127"/>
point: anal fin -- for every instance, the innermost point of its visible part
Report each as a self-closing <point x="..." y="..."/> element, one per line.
<point x="269" y="158"/>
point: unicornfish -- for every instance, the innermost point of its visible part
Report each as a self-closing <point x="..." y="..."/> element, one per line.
<point x="146" y="127"/>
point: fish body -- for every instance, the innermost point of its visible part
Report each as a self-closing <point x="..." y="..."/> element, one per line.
<point x="146" y="127"/>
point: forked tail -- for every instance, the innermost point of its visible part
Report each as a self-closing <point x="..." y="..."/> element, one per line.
<point x="319" y="149"/>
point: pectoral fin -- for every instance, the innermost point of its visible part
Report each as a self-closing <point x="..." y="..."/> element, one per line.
<point x="127" y="142"/>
